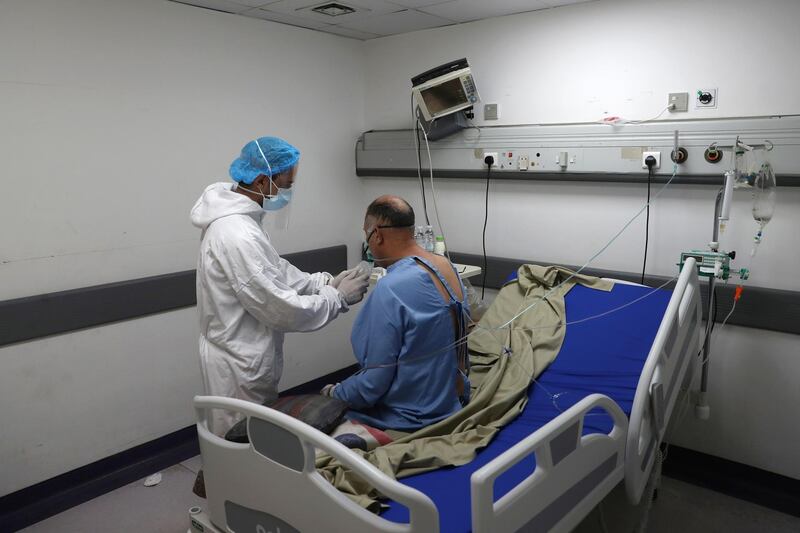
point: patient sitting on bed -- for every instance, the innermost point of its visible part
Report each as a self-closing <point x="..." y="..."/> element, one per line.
<point x="412" y="374"/>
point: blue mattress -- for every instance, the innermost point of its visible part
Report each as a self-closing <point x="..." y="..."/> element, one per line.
<point x="604" y="355"/>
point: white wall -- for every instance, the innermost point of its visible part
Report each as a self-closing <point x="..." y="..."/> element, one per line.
<point x="115" y="116"/>
<point x="575" y="64"/>
<point x="753" y="392"/>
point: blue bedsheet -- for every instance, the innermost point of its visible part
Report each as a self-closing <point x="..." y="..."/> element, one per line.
<point x="605" y="355"/>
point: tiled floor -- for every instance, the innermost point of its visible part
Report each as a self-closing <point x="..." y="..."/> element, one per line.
<point x="163" y="508"/>
<point x="687" y="508"/>
<point x="680" y="507"/>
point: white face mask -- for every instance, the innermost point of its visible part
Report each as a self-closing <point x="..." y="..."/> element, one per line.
<point x="270" y="202"/>
<point x="279" y="201"/>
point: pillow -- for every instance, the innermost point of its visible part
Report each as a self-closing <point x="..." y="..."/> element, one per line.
<point x="355" y="434"/>
<point x="320" y="412"/>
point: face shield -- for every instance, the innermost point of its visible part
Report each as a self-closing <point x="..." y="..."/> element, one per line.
<point x="278" y="219"/>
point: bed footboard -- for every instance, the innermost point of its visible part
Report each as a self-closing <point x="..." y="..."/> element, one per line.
<point x="271" y="484"/>
<point x="573" y="473"/>
<point x="672" y="358"/>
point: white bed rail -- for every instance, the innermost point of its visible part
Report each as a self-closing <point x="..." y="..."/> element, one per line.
<point x="573" y="473"/>
<point x="672" y="356"/>
<point x="271" y="484"/>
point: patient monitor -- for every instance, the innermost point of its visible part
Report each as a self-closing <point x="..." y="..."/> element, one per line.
<point x="442" y="95"/>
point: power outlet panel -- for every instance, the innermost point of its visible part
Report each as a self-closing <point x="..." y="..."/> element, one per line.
<point x="679" y="102"/>
<point x="656" y="155"/>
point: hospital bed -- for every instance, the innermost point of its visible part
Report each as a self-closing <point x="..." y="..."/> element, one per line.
<point x="595" y="419"/>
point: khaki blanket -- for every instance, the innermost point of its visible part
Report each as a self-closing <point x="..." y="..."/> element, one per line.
<point x="504" y="361"/>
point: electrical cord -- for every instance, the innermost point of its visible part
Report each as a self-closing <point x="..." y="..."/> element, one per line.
<point x="670" y="106"/>
<point x="716" y="310"/>
<point x="711" y="322"/>
<point x="489" y="160"/>
<point x="618" y="121"/>
<point x="650" y="165"/>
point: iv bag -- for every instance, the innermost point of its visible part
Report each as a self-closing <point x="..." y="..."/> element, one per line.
<point x="746" y="168"/>
<point x="764" y="194"/>
<point x="753" y="171"/>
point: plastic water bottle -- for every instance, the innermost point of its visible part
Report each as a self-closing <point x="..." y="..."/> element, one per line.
<point x="438" y="247"/>
<point x="419" y="236"/>
<point x="429" y="239"/>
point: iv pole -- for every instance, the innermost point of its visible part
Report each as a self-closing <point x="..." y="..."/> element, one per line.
<point x="702" y="410"/>
<point x="721" y="213"/>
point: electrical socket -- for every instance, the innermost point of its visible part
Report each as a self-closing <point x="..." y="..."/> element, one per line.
<point x="678" y="102"/>
<point x="657" y="155"/>
<point x="523" y="161"/>
<point x="494" y="156"/>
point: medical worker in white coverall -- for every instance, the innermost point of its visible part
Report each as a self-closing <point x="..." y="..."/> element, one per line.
<point x="247" y="295"/>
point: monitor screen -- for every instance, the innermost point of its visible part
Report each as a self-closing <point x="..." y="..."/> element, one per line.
<point x="444" y="96"/>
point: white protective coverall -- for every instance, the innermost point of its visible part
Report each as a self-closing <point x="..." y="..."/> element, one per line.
<point x="247" y="298"/>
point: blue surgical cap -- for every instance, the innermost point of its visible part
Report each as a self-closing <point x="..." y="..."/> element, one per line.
<point x="281" y="155"/>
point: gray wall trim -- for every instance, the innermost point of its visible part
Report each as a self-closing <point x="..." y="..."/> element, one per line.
<point x="33" y="317"/>
<point x="783" y="180"/>
<point x="596" y="152"/>
<point x="762" y="308"/>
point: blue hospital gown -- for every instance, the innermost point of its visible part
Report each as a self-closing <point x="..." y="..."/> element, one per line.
<point x="403" y="321"/>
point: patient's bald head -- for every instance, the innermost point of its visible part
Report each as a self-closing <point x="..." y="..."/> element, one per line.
<point x="389" y="210"/>
<point x="389" y="229"/>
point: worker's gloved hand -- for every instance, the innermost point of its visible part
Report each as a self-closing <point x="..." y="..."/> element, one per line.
<point x="362" y="268"/>
<point x="343" y="274"/>
<point x="353" y="287"/>
<point x="327" y="390"/>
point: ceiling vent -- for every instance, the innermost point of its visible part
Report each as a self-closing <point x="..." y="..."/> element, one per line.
<point x="333" y="9"/>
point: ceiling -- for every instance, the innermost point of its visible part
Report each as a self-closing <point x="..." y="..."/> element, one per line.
<point x="376" y="18"/>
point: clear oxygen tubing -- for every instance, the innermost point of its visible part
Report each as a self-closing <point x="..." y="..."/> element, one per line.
<point x="433" y="191"/>
<point x="736" y="298"/>
<point x="603" y="248"/>
<point x="503" y="348"/>
<point x="505" y="326"/>
<point x="415" y="134"/>
<point x="721" y="326"/>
